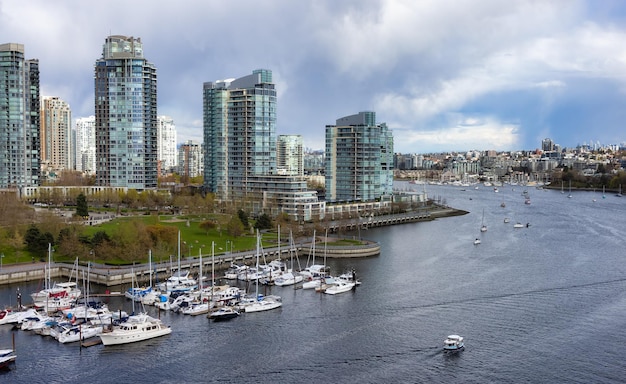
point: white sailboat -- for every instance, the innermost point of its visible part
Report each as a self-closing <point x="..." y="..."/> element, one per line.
<point x="569" y="196"/>
<point x="56" y="296"/>
<point x="483" y="227"/>
<point x="290" y="277"/>
<point x="259" y="302"/>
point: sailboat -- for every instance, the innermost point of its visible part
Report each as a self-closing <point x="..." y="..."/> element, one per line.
<point x="483" y="227"/>
<point x="569" y="196"/>
<point x="291" y="277"/>
<point x="56" y="296"/>
<point x="259" y="302"/>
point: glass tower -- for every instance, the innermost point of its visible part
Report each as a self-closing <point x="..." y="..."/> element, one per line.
<point x="239" y="132"/>
<point x="126" y="116"/>
<point x="359" y="159"/>
<point x="19" y="118"/>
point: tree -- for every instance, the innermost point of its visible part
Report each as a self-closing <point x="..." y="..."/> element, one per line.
<point x="82" y="208"/>
<point x="243" y="218"/>
<point x="207" y="226"/>
<point x="235" y="227"/>
<point x="263" y="222"/>
<point x="36" y="241"/>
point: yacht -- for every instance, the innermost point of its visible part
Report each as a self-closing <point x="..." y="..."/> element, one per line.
<point x="136" y="328"/>
<point x="340" y="286"/>
<point x="453" y="343"/>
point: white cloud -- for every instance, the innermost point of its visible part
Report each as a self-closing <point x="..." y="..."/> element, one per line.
<point x="468" y="132"/>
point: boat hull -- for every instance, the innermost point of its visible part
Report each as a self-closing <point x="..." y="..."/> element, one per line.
<point x="113" y="338"/>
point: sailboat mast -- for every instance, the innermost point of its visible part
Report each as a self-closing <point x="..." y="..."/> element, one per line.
<point x="178" y="253"/>
<point x="257" y="264"/>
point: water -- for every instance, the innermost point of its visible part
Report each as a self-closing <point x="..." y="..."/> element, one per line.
<point x="539" y="304"/>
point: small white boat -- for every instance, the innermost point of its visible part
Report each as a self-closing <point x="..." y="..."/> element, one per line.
<point x="506" y="220"/>
<point x="477" y="241"/>
<point x="518" y="225"/>
<point x="288" y="278"/>
<point x="7" y="357"/>
<point x="136" y="328"/>
<point x="78" y="333"/>
<point x="340" y="286"/>
<point x="453" y="343"/>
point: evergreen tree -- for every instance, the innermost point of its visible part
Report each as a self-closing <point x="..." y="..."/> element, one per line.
<point x="82" y="210"/>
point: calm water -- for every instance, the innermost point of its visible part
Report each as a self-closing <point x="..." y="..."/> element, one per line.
<point x="545" y="303"/>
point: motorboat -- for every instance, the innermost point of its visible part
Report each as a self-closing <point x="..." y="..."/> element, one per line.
<point x="180" y="281"/>
<point x="78" y="333"/>
<point x="453" y="343"/>
<point x="339" y="286"/>
<point x="288" y="278"/>
<point x="477" y="241"/>
<point x="224" y="313"/>
<point x="349" y="277"/>
<point x="518" y="225"/>
<point x="506" y="220"/>
<point x="136" y="328"/>
<point x="17" y="317"/>
<point x="7" y="357"/>
<point x="234" y="271"/>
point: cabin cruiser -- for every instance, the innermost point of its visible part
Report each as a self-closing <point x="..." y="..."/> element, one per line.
<point x="224" y="313"/>
<point x="453" y="343"/>
<point x="136" y="328"/>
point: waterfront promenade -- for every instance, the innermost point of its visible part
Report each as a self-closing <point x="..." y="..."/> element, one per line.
<point x="108" y="275"/>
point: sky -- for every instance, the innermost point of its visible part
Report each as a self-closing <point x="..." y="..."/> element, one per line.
<point x="444" y="75"/>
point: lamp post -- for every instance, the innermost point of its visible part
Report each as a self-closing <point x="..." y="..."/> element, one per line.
<point x="1" y="257"/>
<point x="227" y="242"/>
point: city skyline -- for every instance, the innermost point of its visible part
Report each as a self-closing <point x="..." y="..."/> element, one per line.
<point x="476" y="75"/>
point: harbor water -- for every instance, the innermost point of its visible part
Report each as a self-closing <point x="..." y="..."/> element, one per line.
<point x="542" y="303"/>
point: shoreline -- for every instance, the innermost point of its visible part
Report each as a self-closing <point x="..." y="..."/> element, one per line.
<point x="116" y="275"/>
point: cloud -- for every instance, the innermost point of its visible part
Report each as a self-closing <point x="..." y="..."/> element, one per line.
<point x="415" y="63"/>
<point x="464" y="133"/>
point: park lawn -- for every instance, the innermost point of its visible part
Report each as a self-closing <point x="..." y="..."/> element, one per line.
<point x="193" y="238"/>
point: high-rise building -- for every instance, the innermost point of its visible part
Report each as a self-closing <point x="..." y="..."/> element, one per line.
<point x="86" y="144"/>
<point x="166" y="144"/>
<point x="547" y="145"/>
<point x="359" y="159"/>
<point x="240" y="149"/>
<point x="19" y="118"/>
<point x="239" y="132"/>
<point x="190" y="159"/>
<point x="290" y="155"/>
<point x="56" y="135"/>
<point x="126" y="115"/>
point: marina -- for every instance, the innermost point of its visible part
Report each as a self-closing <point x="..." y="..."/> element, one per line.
<point x="562" y="278"/>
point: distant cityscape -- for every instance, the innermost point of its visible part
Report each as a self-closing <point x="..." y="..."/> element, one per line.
<point x="126" y="145"/>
